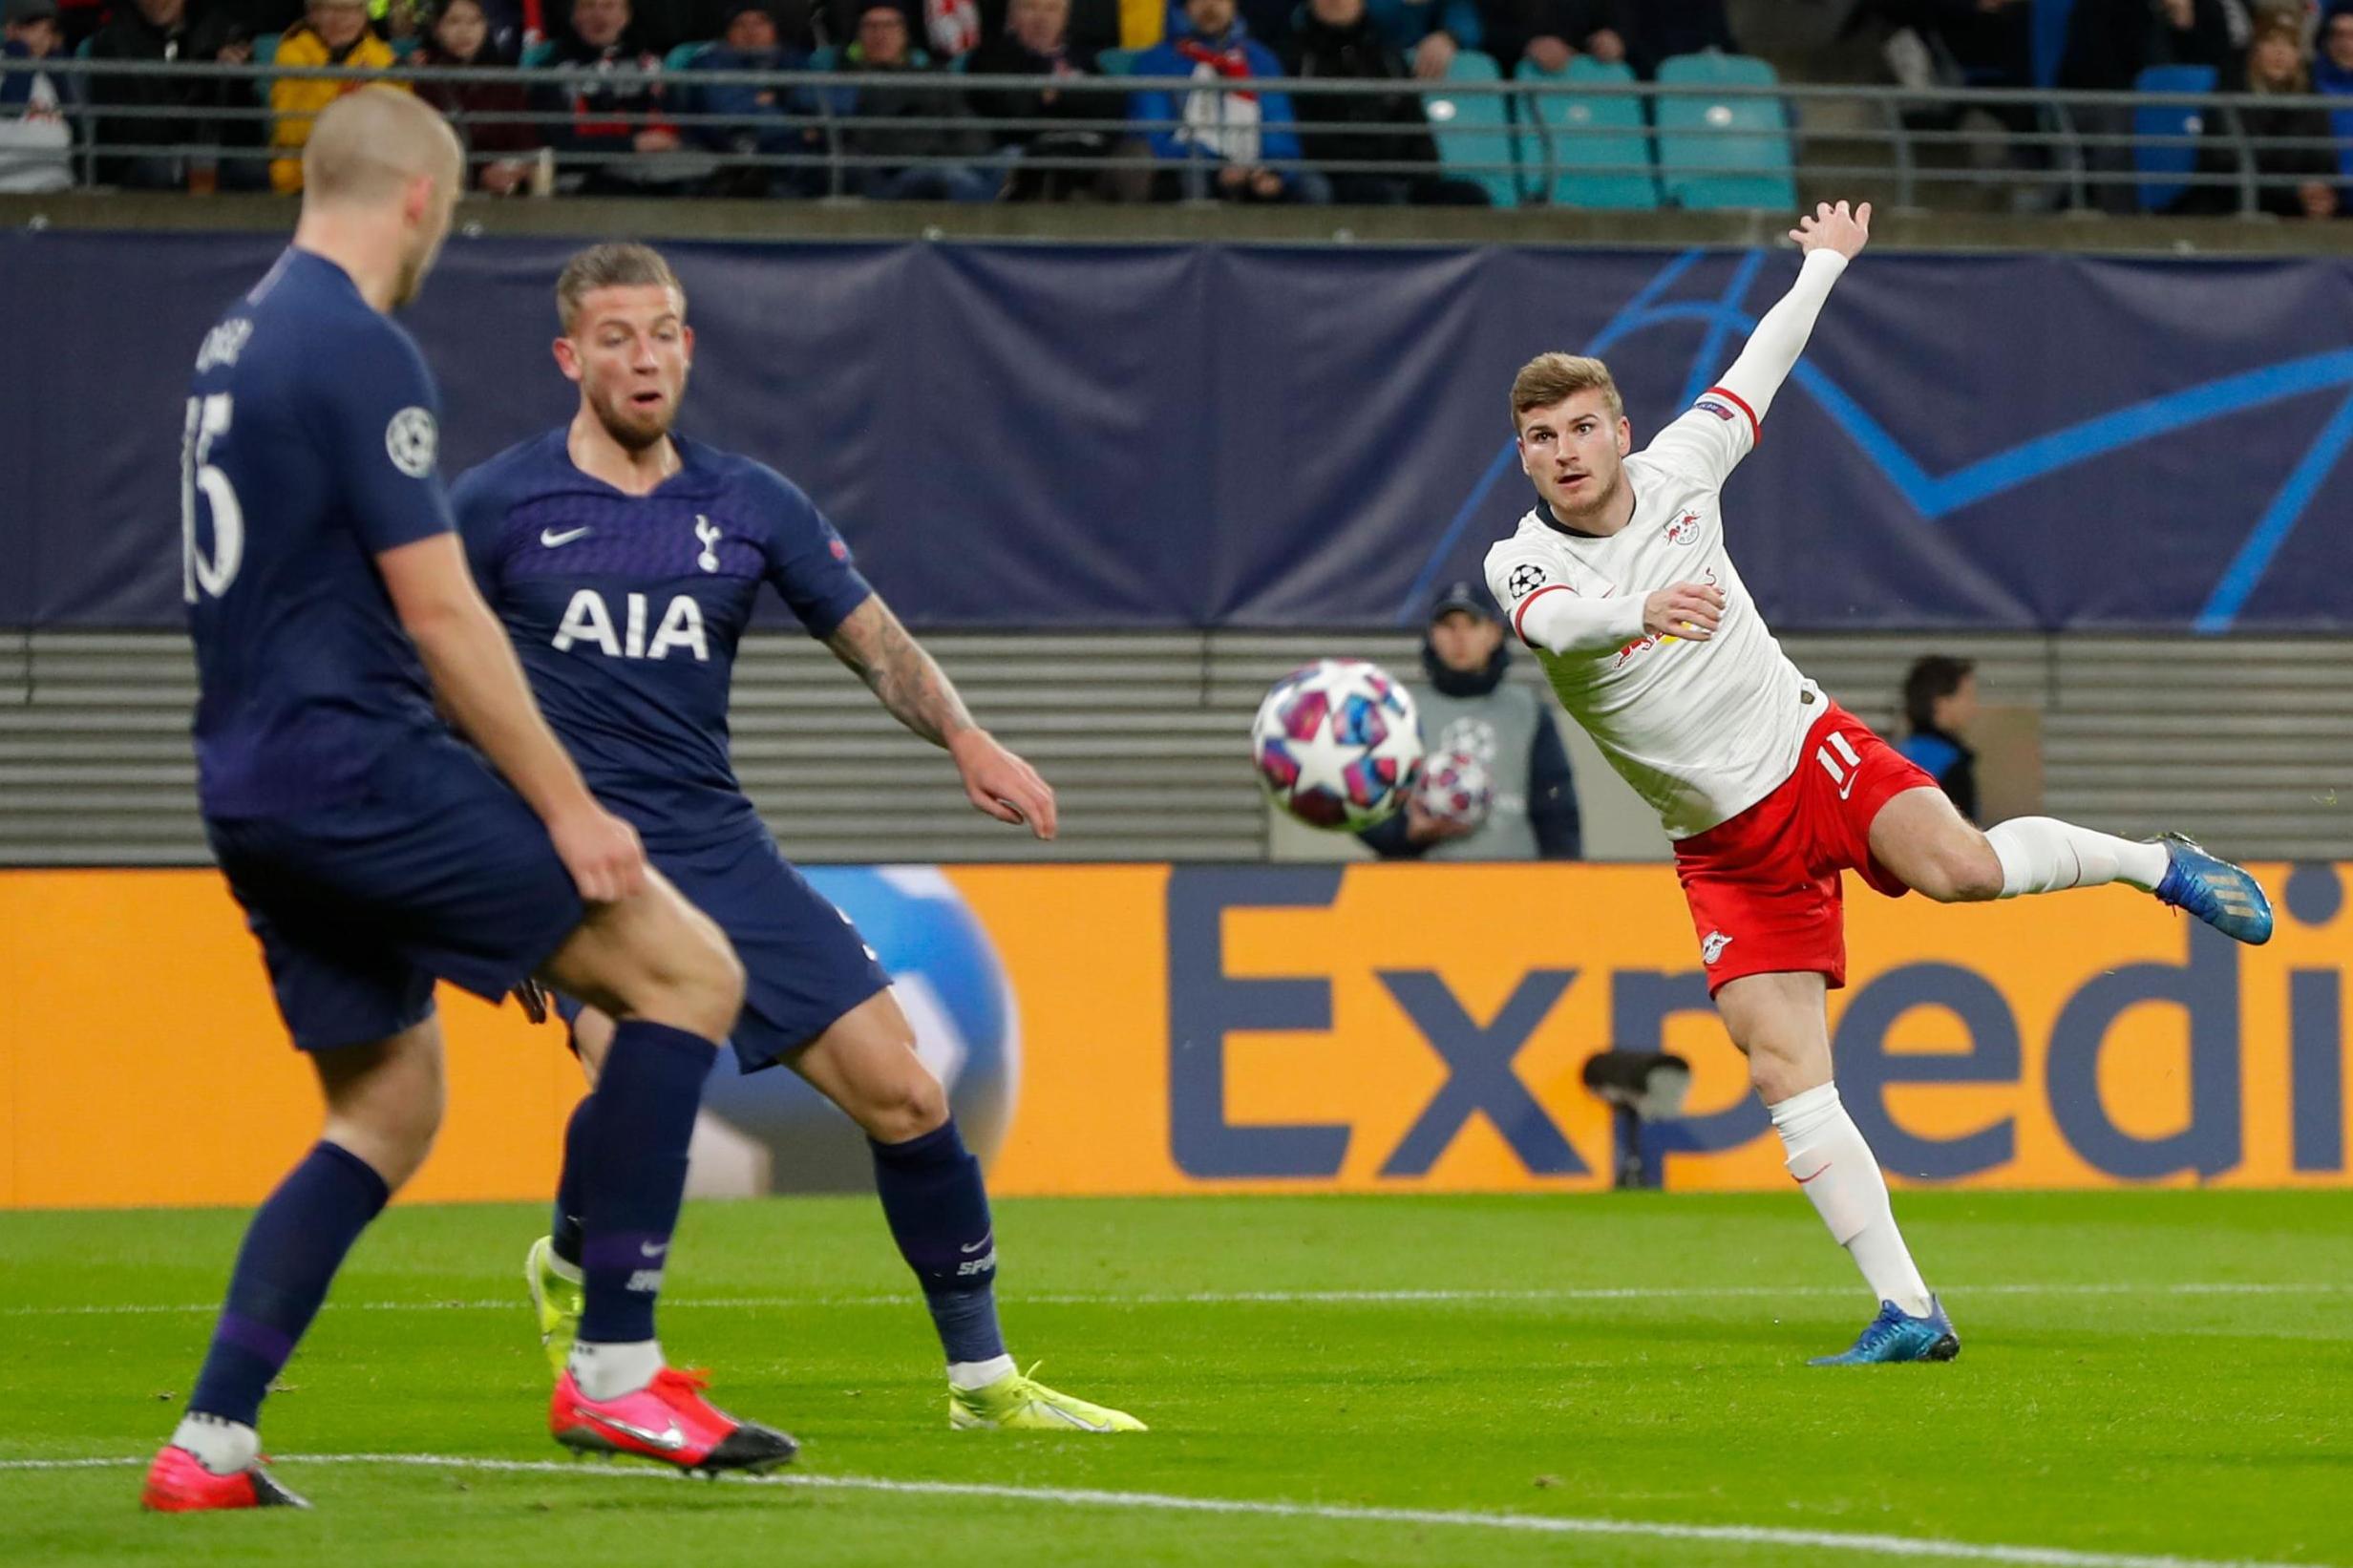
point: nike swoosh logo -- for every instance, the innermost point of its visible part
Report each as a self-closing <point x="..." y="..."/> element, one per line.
<point x="977" y="1245"/>
<point x="671" y="1440"/>
<point x="1802" y="1181"/>
<point x="1848" y="788"/>
<point x="552" y="538"/>
<point x="651" y="1250"/>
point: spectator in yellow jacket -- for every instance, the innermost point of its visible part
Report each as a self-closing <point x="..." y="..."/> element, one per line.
<point x="331" y="32"/>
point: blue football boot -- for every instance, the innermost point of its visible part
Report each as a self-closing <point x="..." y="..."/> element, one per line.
<point x="2214" y="890"/>
<point x="1895" y="1335"/>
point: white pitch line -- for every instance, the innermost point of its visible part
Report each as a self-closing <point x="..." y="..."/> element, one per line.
<point x="1279" y="1298"/>
<point x="1542" y="1524"/>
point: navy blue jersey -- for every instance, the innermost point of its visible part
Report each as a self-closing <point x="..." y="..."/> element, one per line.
<point x="311" y="430"/>
<point x="627" y="610"/>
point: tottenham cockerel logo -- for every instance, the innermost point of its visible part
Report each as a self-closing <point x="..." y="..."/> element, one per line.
<point x="1526" y="578"/>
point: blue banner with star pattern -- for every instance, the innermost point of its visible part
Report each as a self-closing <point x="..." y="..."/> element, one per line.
<point x="1020" y="436"/>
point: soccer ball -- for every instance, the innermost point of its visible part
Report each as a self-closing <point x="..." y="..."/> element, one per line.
<point x="1457" y="787"/>
<point x="1337" y="743"/>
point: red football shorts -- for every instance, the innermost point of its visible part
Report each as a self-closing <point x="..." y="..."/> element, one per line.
<point x="1764" y="886"/>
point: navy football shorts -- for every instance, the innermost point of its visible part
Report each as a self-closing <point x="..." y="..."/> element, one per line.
<point x="438" y="871"/>
<point x="804" y="962"/>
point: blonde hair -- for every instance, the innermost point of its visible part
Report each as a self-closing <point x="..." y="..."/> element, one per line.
<point x="617" y="265"/>
<point x="366" y="146"/>
<point x="1556" y="377"/>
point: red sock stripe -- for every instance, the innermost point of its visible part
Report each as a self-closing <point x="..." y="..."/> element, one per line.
<point x="1756" y="431"/>
<point x="1520" y="615"/>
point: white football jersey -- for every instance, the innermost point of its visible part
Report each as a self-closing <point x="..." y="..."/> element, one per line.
<point x="1703" y="731"/>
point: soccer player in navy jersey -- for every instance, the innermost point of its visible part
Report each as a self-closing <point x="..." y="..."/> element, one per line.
<point x="372" y="850"/>
<point x="626" y="560"/>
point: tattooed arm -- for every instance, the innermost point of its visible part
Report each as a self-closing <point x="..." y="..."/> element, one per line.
<point x="919" y="694"/>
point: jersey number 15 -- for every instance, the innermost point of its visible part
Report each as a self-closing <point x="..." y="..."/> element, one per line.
<point x="208" y="420"/>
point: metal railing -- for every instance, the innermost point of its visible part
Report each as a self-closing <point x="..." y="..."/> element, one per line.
<point x="2072" y="147"/>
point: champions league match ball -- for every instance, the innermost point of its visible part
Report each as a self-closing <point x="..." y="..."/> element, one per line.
<point x="1457" y="787"/>
<point x="768" y="1132"/>
<point x="1337" y="743"/>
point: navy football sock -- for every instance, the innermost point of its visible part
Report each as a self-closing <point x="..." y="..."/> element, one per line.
<point x="567" y="1228"/>
<point x="938" y="1209"/>
<point x="291" y="1251"/>
<point x="632" y="1149"/>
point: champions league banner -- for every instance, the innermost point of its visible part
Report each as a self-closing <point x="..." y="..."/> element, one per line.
<point x="1028" y="436"/>
<point x="1149" y="1029"/>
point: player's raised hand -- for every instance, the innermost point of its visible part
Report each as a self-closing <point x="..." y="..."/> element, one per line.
<point x="602" y="853"/>
<point x="1002" y="784"/>
<point x="1689" y="610"/>
<point x="1834" y="228"/>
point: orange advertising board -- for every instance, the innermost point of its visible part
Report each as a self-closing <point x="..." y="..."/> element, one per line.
<point x="1151" y="1029"/>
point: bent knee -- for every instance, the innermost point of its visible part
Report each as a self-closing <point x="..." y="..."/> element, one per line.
<point x="696" y="983"/>
<point x="1966" y="872"/>
<point x="907" y="1104"/>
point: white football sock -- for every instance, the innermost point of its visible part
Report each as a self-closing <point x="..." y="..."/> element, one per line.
<point x="608" y="1371"/>
<point x="1828" y="1158"/>
<point x="969" y="1375"/>
<point x="2043" y="855"/>
<point x="222" y="1447"/>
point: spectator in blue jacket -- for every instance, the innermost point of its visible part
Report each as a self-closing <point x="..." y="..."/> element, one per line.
<point x="766" y="120"/>
<point x="2332" y="73"/>
<point x="1939" y="701"/>
<point x="36" y="138"/>
<point x="1222" y="137"/>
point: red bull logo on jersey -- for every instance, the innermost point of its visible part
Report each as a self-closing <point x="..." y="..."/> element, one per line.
<point x="589" y="620"/>
<point x="1684" y="529"/>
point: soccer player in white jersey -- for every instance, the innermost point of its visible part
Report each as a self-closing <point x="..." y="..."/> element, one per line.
<point x="1620" y="580"/>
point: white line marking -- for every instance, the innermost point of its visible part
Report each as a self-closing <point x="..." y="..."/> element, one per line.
<point x="1542" y="1524"/>
<point x="1214" y="1298"/>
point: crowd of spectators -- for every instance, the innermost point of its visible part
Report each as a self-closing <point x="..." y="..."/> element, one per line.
<point x="626" y="108"/>
<point x="2275" y="48"/>
<point x="638" y="96"/>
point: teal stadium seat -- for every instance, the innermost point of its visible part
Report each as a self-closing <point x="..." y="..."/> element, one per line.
<point x="1116" y="62"/>
<point x="1701" y="166"/>
<point x="1591" y="140"/>
<point x="265" y="52"/>
<point x="824" y="58"/>
<point x="1473" y="129"/>
<point x="535" y="56"/>
<point x="683" y="56"/>
<point x="2165" y="170"/>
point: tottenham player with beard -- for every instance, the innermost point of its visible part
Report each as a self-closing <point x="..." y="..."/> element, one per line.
<point x="1620" y="580"/>
<point x="625" y="561"/>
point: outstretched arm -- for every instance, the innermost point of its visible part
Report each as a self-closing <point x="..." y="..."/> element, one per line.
<point x="919" y="694"/>
<point x="1831" y="237"/>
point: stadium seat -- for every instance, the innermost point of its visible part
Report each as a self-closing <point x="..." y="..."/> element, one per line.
<point x="1700" y="166"/>
<point x="824" y="58"/>
<point x="265" y="51"/>
<point x="2163" y="167"/>
<point x="538" y="54"/>
<point x="1473" y="129"/>
<point x="1582" y="133"/>
<point x="683" y="56"/>
<point x="1116" y="62"/>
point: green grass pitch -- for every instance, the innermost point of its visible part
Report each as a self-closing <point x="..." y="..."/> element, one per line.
<point x="1395" y="1380"/>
